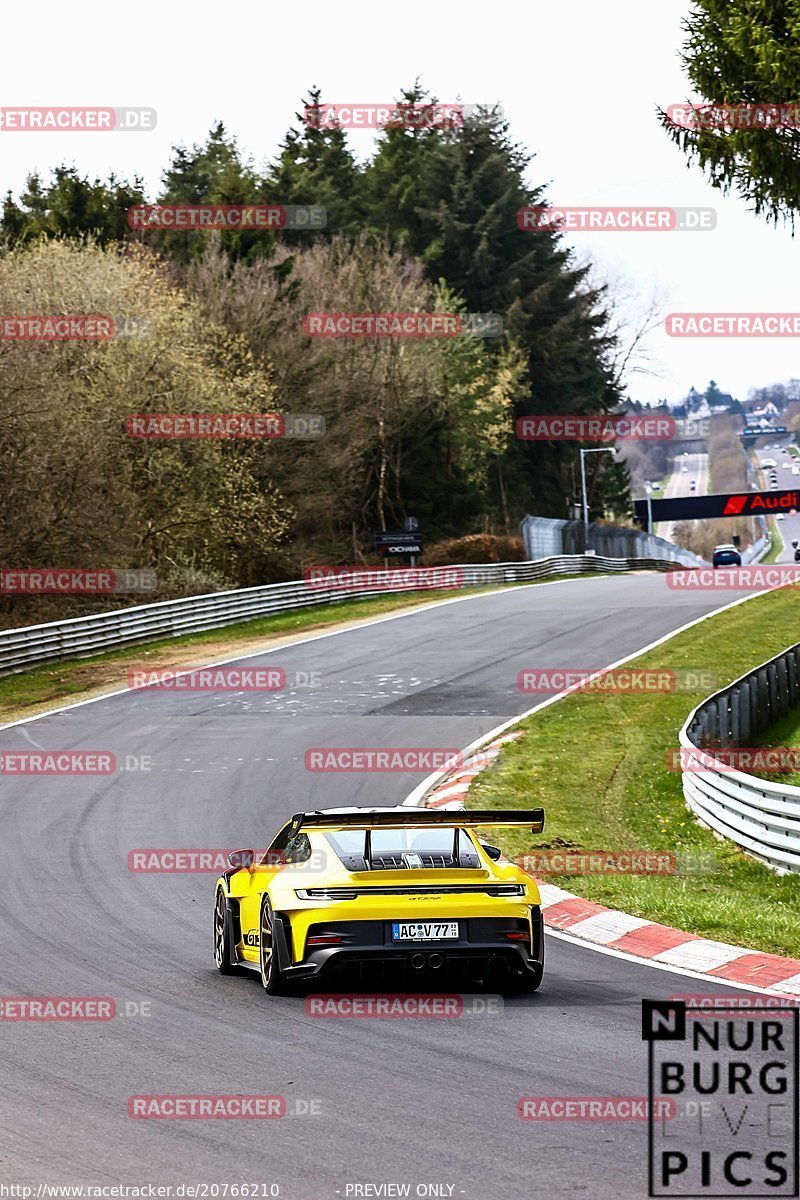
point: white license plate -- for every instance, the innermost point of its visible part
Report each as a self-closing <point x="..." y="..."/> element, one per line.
<point x="424" y="931"/>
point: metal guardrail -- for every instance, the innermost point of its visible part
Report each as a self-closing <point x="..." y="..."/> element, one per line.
<point x="755" y="552"/>
<point x="88" y="636"/>
<point x="761" y="817"/>
<point x="546" y="535"/>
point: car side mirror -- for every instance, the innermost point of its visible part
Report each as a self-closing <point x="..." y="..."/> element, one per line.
<point x="494" y="852"/>
<point x="239" y="859"/>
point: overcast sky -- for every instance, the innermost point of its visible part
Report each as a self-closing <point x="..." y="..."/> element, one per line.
<point x="579" y="85"/>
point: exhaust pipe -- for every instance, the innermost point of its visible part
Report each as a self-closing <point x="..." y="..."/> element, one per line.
<point x="417" y="961"/>
<point x="435" y="961"/>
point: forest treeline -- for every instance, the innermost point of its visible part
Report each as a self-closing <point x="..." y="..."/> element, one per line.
<point x="421" y="427"/>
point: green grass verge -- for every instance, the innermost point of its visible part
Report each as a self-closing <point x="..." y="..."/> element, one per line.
<point x="597" y="762"/>
<point x="776" y="545"/>
<point x="783" y="733"/>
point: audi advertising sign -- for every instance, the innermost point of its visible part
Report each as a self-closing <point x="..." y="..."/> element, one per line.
<point x="722" y="504"/>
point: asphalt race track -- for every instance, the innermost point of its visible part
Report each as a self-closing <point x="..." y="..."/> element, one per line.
<point x="686" y="469"/>
<point x="401" y="1101"/>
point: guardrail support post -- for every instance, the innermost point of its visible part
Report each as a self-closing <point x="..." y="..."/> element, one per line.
<point x="745" y="710"/>
<point x="791" y="678"/>
<point x="736" y="730"/>
<point x="772" y="693"/>
<point x="783" y="691"/>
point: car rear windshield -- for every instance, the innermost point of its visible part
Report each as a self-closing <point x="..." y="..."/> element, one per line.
<point x="380" y="849"/>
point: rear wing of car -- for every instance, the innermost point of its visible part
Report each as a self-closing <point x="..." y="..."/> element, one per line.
<point x="413" y="818"/>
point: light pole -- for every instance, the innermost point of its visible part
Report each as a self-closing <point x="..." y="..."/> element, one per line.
<point x="597" y="450"/>
<point x="648" y="487"/>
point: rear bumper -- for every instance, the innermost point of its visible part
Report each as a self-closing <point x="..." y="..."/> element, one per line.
<point x="369" y="949"/>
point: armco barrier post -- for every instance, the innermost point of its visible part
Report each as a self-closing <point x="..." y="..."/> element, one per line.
<point x="791" y="678"/>
<point x="783" y="690"/>
<point x="736" y="722"/>
<point x="724" y="717"/>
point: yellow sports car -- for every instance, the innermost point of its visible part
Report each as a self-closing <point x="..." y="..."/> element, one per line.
<point x="401" y="894"/>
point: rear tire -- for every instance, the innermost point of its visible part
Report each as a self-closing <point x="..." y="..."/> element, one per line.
<point x="222" y="936"/>
<point x="532" y="983"/>
<point x="521" y="987"/>
<point x="271" y="975"/>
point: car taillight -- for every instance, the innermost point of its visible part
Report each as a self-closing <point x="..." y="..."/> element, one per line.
<point x="516" y="935"/>
<point x="324" y="940"/>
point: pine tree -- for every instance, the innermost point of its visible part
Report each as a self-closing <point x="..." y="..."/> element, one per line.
<point x="315" y="167"/>
<point x="466" y="230"/>
<point x="213" y="173"/>
<point x="394" y="176"/>
<point x="71" y="206"/>
<point x="745" y="52"/>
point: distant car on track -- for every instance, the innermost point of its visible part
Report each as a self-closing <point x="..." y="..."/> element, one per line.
<point x="726" y="555"/>
<point x="406" y="894"/>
